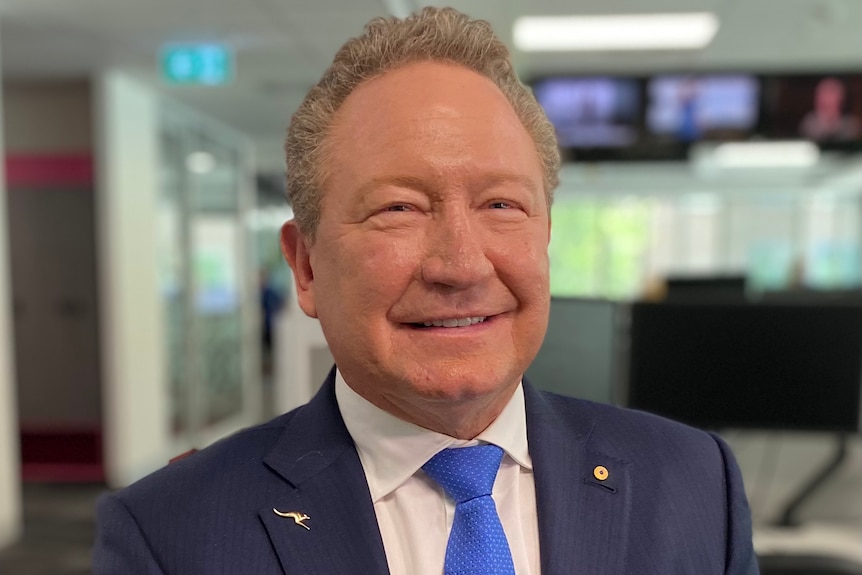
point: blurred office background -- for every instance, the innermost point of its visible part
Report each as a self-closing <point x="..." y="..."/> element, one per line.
<point x="706" y="255"/>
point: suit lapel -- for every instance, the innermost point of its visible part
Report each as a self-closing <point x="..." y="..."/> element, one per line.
<point x="582" y="491"/>
<point x="583" y="519"/>
<point x="325" y="481"/>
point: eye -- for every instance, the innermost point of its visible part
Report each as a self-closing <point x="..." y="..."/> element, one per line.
<point x="397" y="208"/>
<point x="503" y="205"/>
<point x="504" y="210"/>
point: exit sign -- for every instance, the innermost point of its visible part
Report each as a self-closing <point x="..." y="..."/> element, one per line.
<point x="201" y="64"/>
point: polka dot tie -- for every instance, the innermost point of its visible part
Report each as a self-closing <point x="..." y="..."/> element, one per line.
<point x="477" y="543"/>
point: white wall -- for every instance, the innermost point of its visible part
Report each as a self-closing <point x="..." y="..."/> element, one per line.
<point x="301" y="357"/>
<point x="10" y="486"/>
<point x="134" y="375"/>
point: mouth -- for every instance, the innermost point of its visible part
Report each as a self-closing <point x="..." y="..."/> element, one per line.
<point x="450" y="323"/>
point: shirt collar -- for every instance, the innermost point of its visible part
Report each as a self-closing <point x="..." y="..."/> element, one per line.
<point x="392" y="450"/>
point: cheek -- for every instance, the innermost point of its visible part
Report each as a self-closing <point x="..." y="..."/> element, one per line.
<point x="395" y="254"/>
<point x="367" y="273"/>
<point x="524" y="266"/>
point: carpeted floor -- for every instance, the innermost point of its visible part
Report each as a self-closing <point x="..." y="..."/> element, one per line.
<point x="59" y="527"/>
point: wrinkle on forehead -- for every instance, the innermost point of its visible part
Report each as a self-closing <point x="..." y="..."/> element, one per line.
<point x="440" y="95"/>
<point x="424" y="109"/>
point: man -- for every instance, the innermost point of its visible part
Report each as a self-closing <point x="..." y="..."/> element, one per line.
<point x="827" y="120"/>
<point x="420" y="171"/>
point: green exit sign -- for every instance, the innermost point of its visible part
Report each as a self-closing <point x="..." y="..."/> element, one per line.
<point x="201" y="64"/>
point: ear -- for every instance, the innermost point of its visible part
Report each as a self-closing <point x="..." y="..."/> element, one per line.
<point x="295" y="248"/>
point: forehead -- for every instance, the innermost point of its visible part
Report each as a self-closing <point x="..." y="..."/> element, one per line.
<point x="429" y="109"/>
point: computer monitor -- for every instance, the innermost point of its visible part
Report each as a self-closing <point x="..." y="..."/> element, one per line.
<point x="790" y="367"/>
<point x="579" y="356"/>
<point x="706" y="289"/>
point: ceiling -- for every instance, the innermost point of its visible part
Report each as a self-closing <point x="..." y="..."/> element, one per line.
<point x="283" y="46"/>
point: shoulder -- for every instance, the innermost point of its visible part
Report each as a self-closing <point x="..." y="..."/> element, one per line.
<point x="636" y="436"/>
<point x="680" y="485"/>
<point x="196" y="515"/>
<point x="211" y="472"/>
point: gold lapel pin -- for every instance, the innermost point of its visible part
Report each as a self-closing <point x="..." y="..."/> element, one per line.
<point x="600" y="472"/>
<point x="297" y="517"/>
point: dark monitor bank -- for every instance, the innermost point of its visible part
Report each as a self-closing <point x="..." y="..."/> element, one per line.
<point x="790" y="367"/>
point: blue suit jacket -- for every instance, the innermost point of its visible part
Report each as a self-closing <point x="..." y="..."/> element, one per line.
<point x="673" y="501"/>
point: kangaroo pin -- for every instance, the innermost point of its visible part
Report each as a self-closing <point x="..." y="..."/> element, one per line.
<point x="297" y="517"/>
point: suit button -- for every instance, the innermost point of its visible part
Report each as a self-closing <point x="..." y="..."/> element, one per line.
<point x="600" y="473"/>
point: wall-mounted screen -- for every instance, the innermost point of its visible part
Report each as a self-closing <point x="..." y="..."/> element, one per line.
<point x="660" y="117"/>
<point x="694" y="108"/>
<point x="823" y="108"/>
<point x="600" y="112"/>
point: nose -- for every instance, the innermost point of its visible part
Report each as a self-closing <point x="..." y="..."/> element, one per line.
<point x="455" y="253"/>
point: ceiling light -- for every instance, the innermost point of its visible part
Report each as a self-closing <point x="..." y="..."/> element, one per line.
<point x="799" y="154"/>
<point x="684" y="31"/>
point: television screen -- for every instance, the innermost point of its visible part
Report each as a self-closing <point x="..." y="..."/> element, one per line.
<point x="823" y="108"/>
<point x="793" y="367"/>
<point x="596" y="112"/>
<point x="693" y="108"/>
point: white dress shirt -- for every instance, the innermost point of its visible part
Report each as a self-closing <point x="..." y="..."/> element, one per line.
<point x="414" y="514"/>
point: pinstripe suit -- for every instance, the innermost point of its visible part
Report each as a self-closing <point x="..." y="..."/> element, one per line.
<point x="672" y="501"/>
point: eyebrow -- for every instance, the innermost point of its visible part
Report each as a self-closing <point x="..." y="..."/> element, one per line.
<point x="497" y="178"/>
<point x="485" y="181"/>
<point x="410" y="182"/>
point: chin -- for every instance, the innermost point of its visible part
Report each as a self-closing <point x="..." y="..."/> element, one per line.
<point x="461" y="383"/>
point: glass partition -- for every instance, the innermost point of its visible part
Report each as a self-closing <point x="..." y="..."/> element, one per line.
<point x="206" y="275"/>
<point x="618" y="229"/>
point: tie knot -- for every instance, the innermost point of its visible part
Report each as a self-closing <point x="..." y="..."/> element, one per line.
<point x="465" y="473"/>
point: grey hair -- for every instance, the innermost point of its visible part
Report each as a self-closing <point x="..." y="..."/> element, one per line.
<point x="435" y="34"/>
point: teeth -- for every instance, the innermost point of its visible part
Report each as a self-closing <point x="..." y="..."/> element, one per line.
<point x="456" y="322"/>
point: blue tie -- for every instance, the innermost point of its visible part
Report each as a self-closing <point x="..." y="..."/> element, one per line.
<point x="477" y="543"/>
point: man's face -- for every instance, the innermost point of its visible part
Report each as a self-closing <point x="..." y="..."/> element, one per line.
<point x="829" y="96"/>
<point x="433" y="216"/>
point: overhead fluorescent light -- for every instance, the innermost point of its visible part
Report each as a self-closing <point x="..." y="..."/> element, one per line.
<point x="792" y="154"/>
<point x="682" y="31"/>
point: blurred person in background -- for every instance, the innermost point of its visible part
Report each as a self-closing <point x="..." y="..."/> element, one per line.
<point x="271" y="303"/>
<point x="688" y="129"/>
<point x="421" y="173"/>
<point x="828" y="120"/>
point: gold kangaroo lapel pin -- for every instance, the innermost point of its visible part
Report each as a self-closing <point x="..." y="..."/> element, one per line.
<point x="297" y="517"/>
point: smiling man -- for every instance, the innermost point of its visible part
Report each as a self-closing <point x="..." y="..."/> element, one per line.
<point x="421" y="174"/>
<point x="428" y="268"/>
